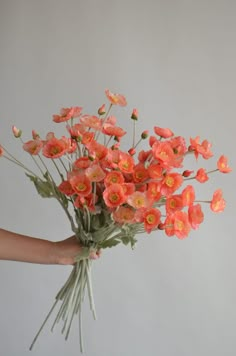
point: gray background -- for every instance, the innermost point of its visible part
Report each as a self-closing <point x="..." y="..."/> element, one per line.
<point x="175" y="62"/>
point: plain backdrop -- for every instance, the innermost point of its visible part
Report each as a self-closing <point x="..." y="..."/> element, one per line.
<point x="174" y="60"/>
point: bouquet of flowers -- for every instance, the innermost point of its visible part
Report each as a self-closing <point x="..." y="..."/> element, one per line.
<point x="110" y="195"/>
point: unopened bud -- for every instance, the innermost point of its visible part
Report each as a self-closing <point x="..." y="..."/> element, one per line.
<point x="187" y="173"/>
<point x="132" y="151"/>
<point x="35" y="135"/>
<point x="102" y="110"/>
<point x="134" y="115"/>
<point x="16" y="132"/>
<point x="144" y="134"/>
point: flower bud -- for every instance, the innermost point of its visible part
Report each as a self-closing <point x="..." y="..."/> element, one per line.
<point x="16" y="132"/>
<point x="144" y="134"/>
<point x="35" y="135"/>
<point x="161" y="226"/>
<point x="102" y="110"/>
<point x="134" y="115"/>
<point x="132" y="151"/>
<point x="187" y="173"/>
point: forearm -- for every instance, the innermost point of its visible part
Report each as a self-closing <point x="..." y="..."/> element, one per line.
<point x="17" y="247"/>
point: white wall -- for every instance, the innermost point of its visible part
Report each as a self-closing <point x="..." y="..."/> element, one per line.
<point x="175" y="61"/>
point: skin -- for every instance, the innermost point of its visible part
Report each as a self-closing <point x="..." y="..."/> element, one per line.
<point x="22" y="248"/>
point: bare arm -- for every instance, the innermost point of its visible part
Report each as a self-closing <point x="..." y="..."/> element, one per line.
<point x="17" y="247"/>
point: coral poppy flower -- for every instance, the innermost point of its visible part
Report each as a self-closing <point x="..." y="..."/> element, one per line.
<point x="174" y="203"/>
<point x="165" y="133"/>
<point x="163" y="152"/>
<point x="1" y="151"/>
<point x="114" y="195"/>
<point x="201" y="175"/>
<point x="54" y="148"/>
<point x="178" y="224"/>
<point x="82" y="163"/>
<point x="95" y="173"/>
<point x="222" y="165"/>
<point x="129" y="188"/>
<point x="170" y="183"/>
<point x="151" y="219"/>
<point x="76" y="130"/>
<point x="67" y="114"/>
<point x="124" y="215"/>
<point x="81" y="184"/>
<point x="188" y="195"/>
<point x="116" y="99"/>
<point x="200" y="148"/>
<point x="33" y="147"/>
<point x="87" y="137"/>
<point x="97" y="149"/>
<point x="138" y="200"/>
<point x="91" y="121"/>
<point x="153" y="191"/>
<point x="88" y="200"/>
<point x="144" y="155"/>
<point x="140" y="173"/>
<point x="114" y="177"/>
<point x="111" y="130"/>
<point x="155" y="171"/>
<point x="195" y="216"/>
<point x="66" y="188"/>
<point x="126" y="163"/>
<point x="217" y="203"/>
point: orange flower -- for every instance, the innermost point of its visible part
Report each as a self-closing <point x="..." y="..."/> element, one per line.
<point x="115" y="99"/>
<point x="222" y="165"/>
<point x="82" y="163"/>
<point x="114" y="177"/>
<point x="67" y="114"/>
<point x="178" y="224"/>
<point x="111" y="130"/>
<point x="188" y="195"/>
<point x="155" y="171"/>
<point x="201" y="175"/>
<point x="114" y="195"/>
<point x="87" y="137"/>
<point x="33" y="147"/>
<point x="95" y="173"/>
<point x="66" y="188"/>
<point x="88" y="200"/>
<point x="203" y="148"/>
<point x="174" y="203"/>
<point x="151" y="219"/>
<point x="81" y="184"/>
<point x="195" y="215"/>
<point x="140" y="173"/>
<point x="165" y="133"/>
<point x="92" y="122"/>
<point x="153" y="191"/>
<point x="54" y="148"/>
<point x="123" y="215"/>
<point x="217" y="203"/>
<point x="129" y="188"/>
<point x="138" y="200"/>
<point x="163" y="152"/>
<point x="126" y="163"/>
<point x="170" y="183"/>
<point x="97" y="149"/>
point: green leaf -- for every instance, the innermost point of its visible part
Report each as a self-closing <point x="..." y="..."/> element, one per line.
<point x="43" y="188"/>
<point x="110" y="243"/>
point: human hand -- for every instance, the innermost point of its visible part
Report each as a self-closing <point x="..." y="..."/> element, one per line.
<point x="66" y="251"/>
